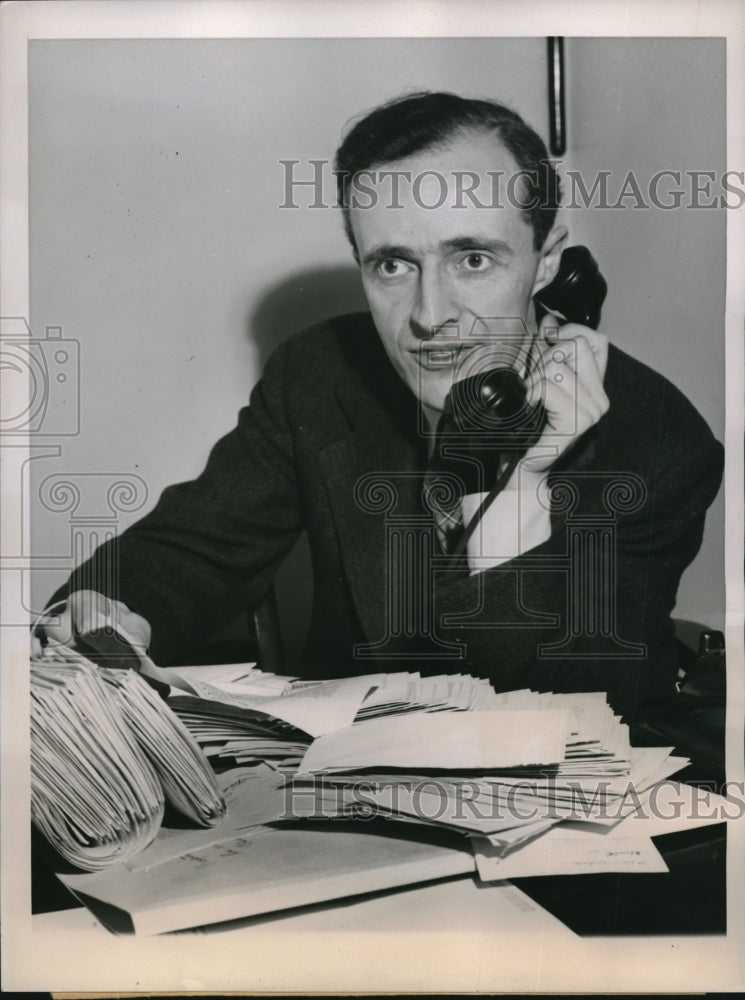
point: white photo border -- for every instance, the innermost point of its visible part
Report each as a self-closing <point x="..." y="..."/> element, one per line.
<point x="301" y="962"/>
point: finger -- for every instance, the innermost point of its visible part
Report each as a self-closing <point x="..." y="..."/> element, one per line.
<point x="573" y="400"/>
<point x="90" y="610"/>
<point x="582" y="357"/>
<point x="590" y="362"/>
<point x="554" y="369"/>
<point x="536" y="394"/>
<point x="561" y="356"/>
<point x="549" y="330"/>
<point x="549" y="335"/>
<point x="107" y="631"/>
<point x="586" y="336"/>
<point x="581" y="399"/>
<point x="56" y="627"/>
<point x="131" y="626"/>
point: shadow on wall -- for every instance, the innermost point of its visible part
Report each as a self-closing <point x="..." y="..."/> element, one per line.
<point x="294" y="304"/>
<point x="300" y="301"/>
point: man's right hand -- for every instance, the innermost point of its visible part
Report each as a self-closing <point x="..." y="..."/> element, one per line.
<point x="569" y="383"/>
<point x="98" y="627"/>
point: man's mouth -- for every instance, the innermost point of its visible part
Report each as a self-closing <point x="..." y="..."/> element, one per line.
<point x="437" y="358"/>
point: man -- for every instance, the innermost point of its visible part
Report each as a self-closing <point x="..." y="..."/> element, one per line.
<point x="567" y="572"/>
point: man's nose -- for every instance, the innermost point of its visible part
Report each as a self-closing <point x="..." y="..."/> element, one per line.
<point x="434" y="313"/>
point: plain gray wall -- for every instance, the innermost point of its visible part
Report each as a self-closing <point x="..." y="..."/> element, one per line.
<point x="157" y="241"/>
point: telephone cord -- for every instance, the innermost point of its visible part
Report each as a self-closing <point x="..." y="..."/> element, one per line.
<point x="488" y="500"/>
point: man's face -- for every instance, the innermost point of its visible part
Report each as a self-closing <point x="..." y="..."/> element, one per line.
<point x="449" y="287"/>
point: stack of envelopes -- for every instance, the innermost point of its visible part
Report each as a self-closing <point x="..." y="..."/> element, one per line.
<point x="445" y="751"/>
<point x="506" y="774"/>
<point x="106" y="756"/>
<point x="246" y="715"/>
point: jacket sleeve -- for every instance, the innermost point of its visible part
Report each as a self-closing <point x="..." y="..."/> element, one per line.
<point x="590" y="608"/>
<point x="210" y="547"/>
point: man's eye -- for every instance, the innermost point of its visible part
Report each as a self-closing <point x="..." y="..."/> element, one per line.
<point x="475" y="262"/>
<point x="392" y="268"/>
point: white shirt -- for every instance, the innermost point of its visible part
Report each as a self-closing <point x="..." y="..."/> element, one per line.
<point x="516" y="521"/>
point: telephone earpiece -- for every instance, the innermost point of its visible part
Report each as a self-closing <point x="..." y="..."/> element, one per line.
<point x="577" y="292"/>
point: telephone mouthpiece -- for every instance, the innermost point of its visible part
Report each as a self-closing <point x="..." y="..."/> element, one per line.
<point x="503" y="393"/>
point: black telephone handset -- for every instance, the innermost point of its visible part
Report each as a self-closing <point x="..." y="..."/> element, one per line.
<point x="495" y="400"/>
<point x="489" y="410"/>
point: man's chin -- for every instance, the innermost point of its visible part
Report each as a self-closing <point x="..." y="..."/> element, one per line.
<point x="432" y="391"/>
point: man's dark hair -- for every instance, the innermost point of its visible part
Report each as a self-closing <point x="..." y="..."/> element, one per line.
<point x="415" y="122"/>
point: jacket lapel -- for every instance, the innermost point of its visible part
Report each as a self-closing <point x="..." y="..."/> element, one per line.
<point x="373" y="476"/>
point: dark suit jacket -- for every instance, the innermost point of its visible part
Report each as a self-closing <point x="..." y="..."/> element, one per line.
<point x="330" y="443"/>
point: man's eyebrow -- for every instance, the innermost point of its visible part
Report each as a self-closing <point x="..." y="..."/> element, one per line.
<point x="477" y="242"/>
<point x="386" y="251"/>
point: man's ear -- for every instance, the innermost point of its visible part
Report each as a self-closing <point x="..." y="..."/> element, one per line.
<point x="551" y="251"/>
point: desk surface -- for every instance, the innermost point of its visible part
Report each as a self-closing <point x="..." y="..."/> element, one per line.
<point x="688" y="899"/>
<point x="460" y="902"/>
<point x="451" y="935"/>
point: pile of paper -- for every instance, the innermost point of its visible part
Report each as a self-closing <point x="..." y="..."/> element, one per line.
<point x="107" y="754"/>
<point x="503" y="776"/>
<point x="188" y="782"/>
<point x="515" y="784"/>
<point x="94" y="795"/>
<point x="241" y="713"/>
<point x="446" y="752"/>
<point x="197" y="877"/>
<point x="533" y="780"/>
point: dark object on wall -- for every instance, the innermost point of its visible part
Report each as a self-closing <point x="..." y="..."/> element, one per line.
<point x="556" y="116"/>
